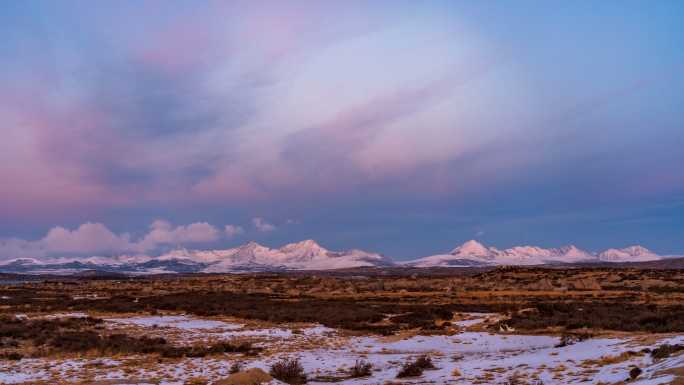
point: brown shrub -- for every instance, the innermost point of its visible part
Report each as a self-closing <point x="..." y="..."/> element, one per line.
<point x="416" y="368"/>
<point x="235" y="367"/>
<point x="664" y="351"/>
<point x="289" y="371"/>
<point x="602" y="315"/>
<point x="361" y="368"/>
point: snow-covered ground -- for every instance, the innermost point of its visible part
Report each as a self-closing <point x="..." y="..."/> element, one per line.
<point x="469" y="356"/>
<point x="178" y="322"/>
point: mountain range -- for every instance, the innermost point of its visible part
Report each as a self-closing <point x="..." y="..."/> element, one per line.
<point x="473" y="253"/>
<point x="250" y="257"/>
<point x="309" y="255"/>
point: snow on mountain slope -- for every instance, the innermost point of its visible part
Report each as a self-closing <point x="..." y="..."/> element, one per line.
<point x="305" y="255"/>
<point x="473" y="247"/>
<point x="20" y="262"/>
<point x="446" y="260"/>
<point x="473" y="253"/>
<point x="628" y="254"/>
<point x="309" y="255"/>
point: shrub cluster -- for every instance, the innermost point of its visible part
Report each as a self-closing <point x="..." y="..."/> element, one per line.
<point x="79" y="335"/>
<point x="344" y="314"/>
<point x="666" y="350"/>
<point x="602" y="315"/>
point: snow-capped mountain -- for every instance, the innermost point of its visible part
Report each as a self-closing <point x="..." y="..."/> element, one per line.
<point x="628" y="254"/>
<point x="473" y="253"/>
<point x="305" y="255"/>
<point x="19" y="264"/>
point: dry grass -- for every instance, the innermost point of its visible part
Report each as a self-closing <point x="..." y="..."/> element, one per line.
<point x="677" y="372"/>
<point x="610" y="360"/>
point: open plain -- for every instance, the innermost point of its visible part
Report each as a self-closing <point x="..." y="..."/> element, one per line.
<point x="366" y="326"/>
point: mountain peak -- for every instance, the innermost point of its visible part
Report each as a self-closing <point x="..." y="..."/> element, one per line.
<point x="307" y="243"/>
<point x="471" y="247"/>
<point x="303" y="255"/>
<point x="251" y="245"/>
<point x="305" y="248"/>
<point x="637" y="250"/>
<point x="628" y="254"/>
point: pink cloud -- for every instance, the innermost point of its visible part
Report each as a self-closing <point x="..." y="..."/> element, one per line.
<point x="92" y="238"/>
<point x="162" y="232"/>
<point x="87" y="238"/>
<point x="37" y="168"/>
<point x="233" y="230"/>
<point x="228" y="183"/>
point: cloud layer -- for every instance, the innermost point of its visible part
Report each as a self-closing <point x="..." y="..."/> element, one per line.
<point x="344" y="112"/>
<point x="96" y="239"/>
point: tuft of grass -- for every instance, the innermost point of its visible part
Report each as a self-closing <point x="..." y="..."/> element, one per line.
<point x="666" y="350"/>
<point x="289" y="371"/>
<point x="235" y="367"/>
<point x="196" y="381"/>
<point x="568" y="339"/>
<point x="416" y="368"/>
<point x="425" y="362"/>
<point x="517" y="379"/>
<point x="361" y="368"/>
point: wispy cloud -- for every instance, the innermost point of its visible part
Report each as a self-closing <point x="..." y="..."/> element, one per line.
<point x="233" y="230"/>
<point x="260" y="224"/>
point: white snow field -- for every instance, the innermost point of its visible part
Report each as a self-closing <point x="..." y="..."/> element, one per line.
<point x="470" y="356"/>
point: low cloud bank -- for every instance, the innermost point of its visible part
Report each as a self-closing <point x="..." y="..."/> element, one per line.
<point x="93" y="237"/>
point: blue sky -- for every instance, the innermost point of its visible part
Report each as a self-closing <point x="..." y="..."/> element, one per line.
<point x="397" y="126"/>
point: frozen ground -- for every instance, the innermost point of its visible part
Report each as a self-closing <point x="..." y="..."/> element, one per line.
<point x="469" y="356"/>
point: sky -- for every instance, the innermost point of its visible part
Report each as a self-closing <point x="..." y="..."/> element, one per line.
<point x="400" y="127"/>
